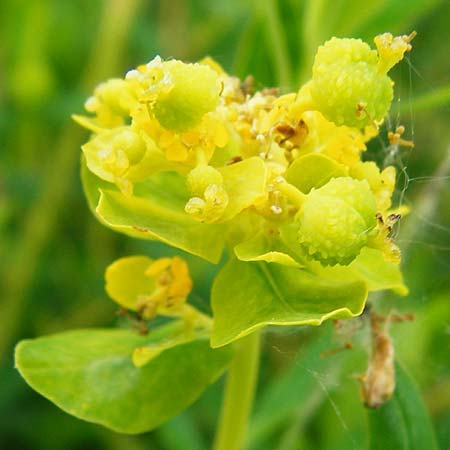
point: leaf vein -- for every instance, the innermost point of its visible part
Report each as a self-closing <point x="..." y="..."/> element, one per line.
<point x="275" y="288"/>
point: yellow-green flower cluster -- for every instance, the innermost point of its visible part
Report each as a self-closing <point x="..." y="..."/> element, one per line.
<point x="151" y="287"/>
<point x="287" y="167"/>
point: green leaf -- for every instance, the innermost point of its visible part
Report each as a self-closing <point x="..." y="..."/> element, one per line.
<point x="403" y="422"/>
<point x="156" y="211"/>
<point x="150" y="218"/>
<point x="249" y="295"/>
<point x="371" y="267"/>
<point x="182" y="334"/>
<point x="89" y="374"/>
<point x="91" y="186"/>
<point x="313" y="171"/>
<point x="143" y="355"/>
<point x="378" y="273"/>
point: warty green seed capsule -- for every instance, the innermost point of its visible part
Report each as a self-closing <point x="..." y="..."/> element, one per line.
<point x="336" y="220"/>
<point x="347" y="86"/>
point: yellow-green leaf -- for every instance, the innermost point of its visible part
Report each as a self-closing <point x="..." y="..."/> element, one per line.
<point x="90" y="123"/>
<point x="90" y="374"/>
<point x="155" y="211"/>
<point x="143" y="355"/>
<point x="249" y="295"/>
<point x="378" y="273"/>
<point x="370" y="267"/>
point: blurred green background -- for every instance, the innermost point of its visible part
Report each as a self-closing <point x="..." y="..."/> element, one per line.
<point x="53" y="252"/>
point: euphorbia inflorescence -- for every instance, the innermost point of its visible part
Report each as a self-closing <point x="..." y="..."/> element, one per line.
<point x="279" y="176"/>
<point x="193" y="157"/>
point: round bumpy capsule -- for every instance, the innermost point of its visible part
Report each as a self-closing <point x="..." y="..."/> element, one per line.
<point x="336" y="220"/>
<point x="347" y="86"/>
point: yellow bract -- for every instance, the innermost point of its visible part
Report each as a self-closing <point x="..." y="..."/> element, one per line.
<point x="150" y="287"/>
<point x="392" y="49"/>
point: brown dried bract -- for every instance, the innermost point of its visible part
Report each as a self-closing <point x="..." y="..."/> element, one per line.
<point x="378" y="383"/>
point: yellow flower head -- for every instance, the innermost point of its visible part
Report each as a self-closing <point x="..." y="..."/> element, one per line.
<point x="111" y="102"/>
<point x="149" y="287"/>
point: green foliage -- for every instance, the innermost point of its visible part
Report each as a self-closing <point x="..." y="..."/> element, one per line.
<point x="90" y="374"/>
<point x="245" y="183"/>
<point x="157" y="213"/>
<point x="265" y="247"/>
<point x="248" y="296"/>
<point x="367" y="268"/>
<point x="285" y="202"/>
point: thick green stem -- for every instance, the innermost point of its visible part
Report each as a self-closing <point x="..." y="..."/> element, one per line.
<point x="239" y="393"/>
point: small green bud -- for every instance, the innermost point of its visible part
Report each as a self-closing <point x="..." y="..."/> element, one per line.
<point x="335" y="221"/>
<point x="201" y="177"/>
<point x="347" y="86"/>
